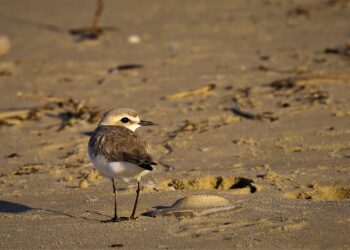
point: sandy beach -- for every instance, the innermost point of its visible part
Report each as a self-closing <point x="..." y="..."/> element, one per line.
<point x="253" y="102"/>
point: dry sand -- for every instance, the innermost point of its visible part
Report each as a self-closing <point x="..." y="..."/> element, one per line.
<point x="281" y="153"/>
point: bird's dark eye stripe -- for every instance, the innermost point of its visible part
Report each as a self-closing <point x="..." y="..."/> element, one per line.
<point x="125" y="120"/>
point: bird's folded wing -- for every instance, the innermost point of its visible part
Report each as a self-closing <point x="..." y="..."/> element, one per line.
<point x="121" y="144"/>
<point x="143" y="161"/>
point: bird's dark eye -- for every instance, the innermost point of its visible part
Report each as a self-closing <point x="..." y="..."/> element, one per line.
<point x="124" y="120"/>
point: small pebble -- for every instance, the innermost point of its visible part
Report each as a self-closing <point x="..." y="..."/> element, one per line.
<point x="205" y="149"/>
<point x="68" y="178"/>
<point x="5" y="44"/>
<point x="56" y="171"/>
<point x="243" y="67"/>
<point x="134" y="39"/>
<point x="83" y="184"/>
<point x="341" y="113"/>
<point x="173" y="47"/>
<point x="93" y="176"/>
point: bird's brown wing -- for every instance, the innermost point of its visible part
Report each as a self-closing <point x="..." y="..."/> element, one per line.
<point x="117" y="143"/>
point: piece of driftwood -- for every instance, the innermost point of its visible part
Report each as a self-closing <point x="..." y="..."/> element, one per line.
<point x="11" y="117"/>
<point x="291" y="82"/>
<point x="203" y="91"/>
<point x="20" y="114"/>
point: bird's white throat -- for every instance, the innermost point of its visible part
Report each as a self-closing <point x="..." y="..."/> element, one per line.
<point x="133" y="127"/>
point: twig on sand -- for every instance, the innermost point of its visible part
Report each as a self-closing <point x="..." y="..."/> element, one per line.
<point x="47" y="99"/>
<point x="260" y="117"/>
<point x="203" y="91"/>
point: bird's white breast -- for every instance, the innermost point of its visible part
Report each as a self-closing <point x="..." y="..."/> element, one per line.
<point x="123" y="170"/>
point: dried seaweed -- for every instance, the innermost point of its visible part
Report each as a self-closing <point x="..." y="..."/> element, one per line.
<point x="293" y="82"/>
<point x="304" y="88"/>
<point x="340" y="50"/>
<point x="185" y="127"/>
<point x="68" y="110"/>
<point x="30" y="168"/>
<point x="73" y="111"/>
<point x="299" y="11"/>
<point x="340" y="3"/>
<point x="317" y="96"/>
<point x="5" y="73"/>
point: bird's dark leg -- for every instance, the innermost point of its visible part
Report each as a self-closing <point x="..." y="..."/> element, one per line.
<point x="115" y="218"/>
<point x="136" y="200"/>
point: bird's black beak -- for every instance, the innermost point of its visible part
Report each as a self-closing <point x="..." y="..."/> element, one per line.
<point x="147" y="123"/>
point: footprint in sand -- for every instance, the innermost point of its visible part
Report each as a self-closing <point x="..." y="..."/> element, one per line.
<point x="321" y="193"/>
<point x="238" y="184"/>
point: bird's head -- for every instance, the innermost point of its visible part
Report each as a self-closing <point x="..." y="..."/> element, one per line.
<point x="124" y="117"/>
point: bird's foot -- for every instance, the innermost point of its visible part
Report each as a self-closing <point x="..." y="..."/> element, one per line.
<point x="132" y="217"/>
<point x="116" y="219"/>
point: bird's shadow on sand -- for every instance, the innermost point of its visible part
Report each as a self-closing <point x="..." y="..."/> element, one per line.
<point x="17" y="208"/>
<point x="13" y="208"/>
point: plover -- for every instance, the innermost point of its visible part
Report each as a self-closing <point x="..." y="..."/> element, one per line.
<point x="116" y="151"/>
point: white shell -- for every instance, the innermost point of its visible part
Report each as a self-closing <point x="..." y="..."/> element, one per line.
<point x="196" y="205"/>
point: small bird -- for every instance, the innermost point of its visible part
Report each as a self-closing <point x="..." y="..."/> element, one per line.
<point x="116" y="151"/>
